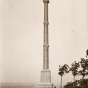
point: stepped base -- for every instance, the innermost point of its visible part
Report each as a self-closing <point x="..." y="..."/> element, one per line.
<point x="45" y="80"/>
<point x="45" y="85"/>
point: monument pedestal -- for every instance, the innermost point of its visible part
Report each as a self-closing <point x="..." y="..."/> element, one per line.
<point x="45" y="80"/>
<point x="45" y="76"/>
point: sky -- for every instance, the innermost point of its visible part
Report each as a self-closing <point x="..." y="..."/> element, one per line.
<point x="21" y="38"/>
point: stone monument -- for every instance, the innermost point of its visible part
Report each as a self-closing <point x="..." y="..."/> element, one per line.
<point x="45" y="80"/>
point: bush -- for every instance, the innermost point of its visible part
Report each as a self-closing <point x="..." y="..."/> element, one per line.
<point x="82" y="83"/>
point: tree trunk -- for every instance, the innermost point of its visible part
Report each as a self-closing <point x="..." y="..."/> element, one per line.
<point x="82" y="82"/>
<point x="74" y="78"/>
<point x="74" y="82"/>
<point x="61" y="81"/>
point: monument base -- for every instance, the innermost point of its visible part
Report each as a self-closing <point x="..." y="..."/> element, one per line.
<point x="45" y="80"/>
<point x="45" y="76"/>
<point x="45" y="85"/>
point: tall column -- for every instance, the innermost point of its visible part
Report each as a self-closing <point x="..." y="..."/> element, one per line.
<point x="46" y="44"/>
<point x="45" y="79"/>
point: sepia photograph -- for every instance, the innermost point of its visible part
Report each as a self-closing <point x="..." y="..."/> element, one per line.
<point x="43" y="43"/>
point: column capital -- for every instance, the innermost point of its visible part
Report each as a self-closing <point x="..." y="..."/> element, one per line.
<point x="46" y="1"/>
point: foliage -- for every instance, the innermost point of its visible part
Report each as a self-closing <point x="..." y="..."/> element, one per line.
<point x="63" y="69"/>
<point x="77" y="83"/>
<point x="74" y="69"/>
<point x="83" y="64"/>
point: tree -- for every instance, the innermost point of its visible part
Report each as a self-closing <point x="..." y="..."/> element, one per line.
<point x="74" y="69"/>
<point x="62" y="70"/>
<point x="83" y="72"/>
<point x="61" y="73"/>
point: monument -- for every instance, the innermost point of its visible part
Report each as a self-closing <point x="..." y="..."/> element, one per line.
<point x="45" y="80"/>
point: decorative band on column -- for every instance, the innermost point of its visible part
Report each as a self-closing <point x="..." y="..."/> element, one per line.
<point x="46" y="1"/>
<point x="46" y="22"/>
<point x="45" y="45"/>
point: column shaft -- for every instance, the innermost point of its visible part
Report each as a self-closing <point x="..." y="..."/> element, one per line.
<point x="46" y="46"/>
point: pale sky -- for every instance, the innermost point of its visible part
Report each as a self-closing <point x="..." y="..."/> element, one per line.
<point x="21" y="35"/>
